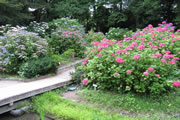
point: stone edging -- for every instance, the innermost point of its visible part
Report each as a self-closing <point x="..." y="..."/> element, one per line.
<point x="60" y="70"/>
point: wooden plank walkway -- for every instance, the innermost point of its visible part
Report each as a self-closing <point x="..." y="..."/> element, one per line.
<point x="19" y="91"/>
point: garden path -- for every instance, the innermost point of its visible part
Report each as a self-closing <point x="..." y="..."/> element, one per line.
<point x="6" y="83"/>
<point x="16" y="91"/>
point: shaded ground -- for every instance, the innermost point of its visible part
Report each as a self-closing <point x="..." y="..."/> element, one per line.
<point x="27" y="116"/>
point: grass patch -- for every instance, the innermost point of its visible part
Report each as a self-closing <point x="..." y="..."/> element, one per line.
<point x="168" y="104"/>
<point x="52" y="103"/>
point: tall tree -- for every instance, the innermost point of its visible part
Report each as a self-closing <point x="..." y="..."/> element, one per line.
<point x="13" y="12"/>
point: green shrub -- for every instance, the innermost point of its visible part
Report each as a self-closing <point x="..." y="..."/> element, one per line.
<point x="142" y="63"/>
<point x="78" y="75"/>
<point x="36" y="67"/>
<point x="92" y="37"/>
<point x="56" y="58"/>
<point x="118" y="33"/>
<point x="68" y="53"/>
<point x="18" y="46"/>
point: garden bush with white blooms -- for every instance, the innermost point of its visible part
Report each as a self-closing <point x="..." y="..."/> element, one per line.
<point x="18" y="46"/>
<point x="142" y="63"/>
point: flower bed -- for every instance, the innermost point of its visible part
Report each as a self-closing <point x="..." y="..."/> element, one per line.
<point x="142" y="63"/>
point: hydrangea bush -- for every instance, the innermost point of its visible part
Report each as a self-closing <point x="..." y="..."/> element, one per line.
<point x="141" y="63"/>
<point x="18" y="46"/>
<point x="7" y="28"/>
<point x="63" y="40"/>
<point x="40" y="28"/>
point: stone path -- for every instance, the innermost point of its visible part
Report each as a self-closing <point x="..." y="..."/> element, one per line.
<point x="12" y="91"/>
<point x="5" y="83"/>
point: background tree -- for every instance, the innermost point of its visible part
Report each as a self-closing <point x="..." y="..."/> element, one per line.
<point x="98" y="14"/>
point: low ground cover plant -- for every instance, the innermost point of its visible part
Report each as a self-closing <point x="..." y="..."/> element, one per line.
<point x="141" y="64"/>
<point x="165" y="107"/>
<point x="60" y="108"/>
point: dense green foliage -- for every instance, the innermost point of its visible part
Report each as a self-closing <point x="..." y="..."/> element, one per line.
<point x="37" y="67"/>
<point x="98" y="14"/>
<point x="92" y="36"/>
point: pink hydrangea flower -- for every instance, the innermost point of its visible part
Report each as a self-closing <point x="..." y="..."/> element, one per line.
<point x="85" y="81"/>
<point x="176" y="58"/>
<point x="162" y="44"/>
<point x="113" y="54"/>
<point x="172" y="62"/>
<point x="99" y="55"/>
<point x="164" y="22"/>
<point x="120" y="44"/>
<point x="150" y="43"/>
<point x="157" y="55"/>
<point x="95" y="43"/>
<point x="154" y="47"/>
<point x="168" y="56"/>
<point x="127" y="53"/>
<point x="167" y="52"/>
<point x="85" y="61"/>
<point x="163" y="60"/>
<point x="176" y="84"/>
<point x="136" y="57"/>
<point x="146" y="73"/>
<point x="118" y="51"/>
<point x="141" y="47"/>
<point x="151" y="69"/>
<point x="143" y="39"/>
<point x="119" y="60"/>
<point x="93" y="50"/>
<point x="173" y="40"/>
<point x="116" y="73"/>
<point x="157" y="75"/>
<point x="129" y="71"/>
<point x="134" y="43"/>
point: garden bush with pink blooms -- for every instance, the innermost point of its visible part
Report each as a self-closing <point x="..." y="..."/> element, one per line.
<point x="18" y="46"/>
<point x="141" y="64"/>
<point x="67" y="34"/>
